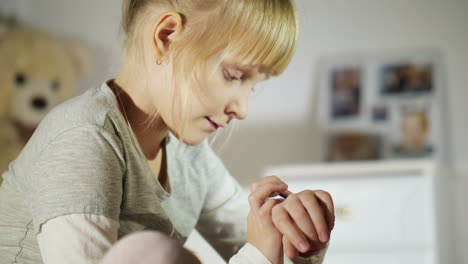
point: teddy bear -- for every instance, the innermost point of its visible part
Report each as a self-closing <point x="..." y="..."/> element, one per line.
<point x="37" y="72"/>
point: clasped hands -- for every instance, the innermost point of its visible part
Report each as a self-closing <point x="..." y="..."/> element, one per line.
<point x="298" y="224"/>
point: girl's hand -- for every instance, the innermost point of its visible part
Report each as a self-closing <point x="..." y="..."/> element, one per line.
<point x="305" y="219"/>
<point x="262" y="233"/>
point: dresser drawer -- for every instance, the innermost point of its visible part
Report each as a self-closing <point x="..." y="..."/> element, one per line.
<point x="391" y="257"/>
<point x="385" y="210"/>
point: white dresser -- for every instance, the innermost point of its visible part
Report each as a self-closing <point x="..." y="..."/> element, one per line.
<point x="387" y="212"/>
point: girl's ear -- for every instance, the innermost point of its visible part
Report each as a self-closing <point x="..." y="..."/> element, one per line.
<point x="166" y="29"/>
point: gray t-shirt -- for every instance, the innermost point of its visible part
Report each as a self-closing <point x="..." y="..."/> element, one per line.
<point x="84" y="159"/>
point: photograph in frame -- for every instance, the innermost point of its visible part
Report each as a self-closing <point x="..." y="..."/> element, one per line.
<point x="353" y="146"/>
<point x="406" y="79"/>
<point x="414" y="127"/>
<point x="345" y="92"/>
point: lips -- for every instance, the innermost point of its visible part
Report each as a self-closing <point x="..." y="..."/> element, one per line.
<point x="213" y="123"/>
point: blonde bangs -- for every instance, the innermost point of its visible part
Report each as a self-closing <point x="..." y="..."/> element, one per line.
<point x="265" y="33"/>
<point x="262" y="32"/>
<point x="253" y="32"/>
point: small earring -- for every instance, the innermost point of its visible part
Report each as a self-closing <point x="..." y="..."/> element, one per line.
<point x="160" y="61"/>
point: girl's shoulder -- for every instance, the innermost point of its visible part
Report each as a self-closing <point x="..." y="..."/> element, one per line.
<point x="94" y="107"/>
<point x="77" y="143"/>
<point x="89" y="117"/>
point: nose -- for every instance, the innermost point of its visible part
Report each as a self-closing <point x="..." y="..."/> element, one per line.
<point x="238" y="108"/>
<point x="39" y="103"/>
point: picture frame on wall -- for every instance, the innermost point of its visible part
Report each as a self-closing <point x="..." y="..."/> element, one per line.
<point x="342" y="96"/>
<point x="380" y="113"/>
<point x="392" y="98"/>
<point x="413" y="137"/>
<point x="406" y="79"/>
<point x="345" y="100"/>
<point x="353" y="146"/>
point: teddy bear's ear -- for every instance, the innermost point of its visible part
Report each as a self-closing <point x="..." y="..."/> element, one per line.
<point x="3" y="30"/>
<point x="6" y="24"/>
<point x="82" y="58"/>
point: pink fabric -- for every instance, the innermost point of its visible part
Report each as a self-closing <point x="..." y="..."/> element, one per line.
<point x="148" y="247"/>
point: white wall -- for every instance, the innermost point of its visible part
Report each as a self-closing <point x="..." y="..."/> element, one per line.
<point x="285" y="104"/>
<point x="95" y="22"/>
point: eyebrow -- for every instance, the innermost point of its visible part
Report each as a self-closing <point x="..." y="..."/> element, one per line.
<point x="248" y="70"/>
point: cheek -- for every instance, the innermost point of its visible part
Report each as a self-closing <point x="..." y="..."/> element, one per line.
<point x="172" y="108"/>
<point x="207" y="100"/>
<point x="215" y="95"/>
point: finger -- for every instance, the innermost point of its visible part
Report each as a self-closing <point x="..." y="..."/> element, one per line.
<point x="288" y="228"/>
<point x="268" y="179"/>
<point x="327" y="204"/>
<point x="267" y="207"/>
<point x="301" y="217"/>
<point x="285" y="194"/>
<point x="315" y="212"/>
<point x="289" y="249"/>
<point x="258" y="197"/>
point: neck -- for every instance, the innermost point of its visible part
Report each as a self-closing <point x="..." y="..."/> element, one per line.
<point x="134" y="107"/>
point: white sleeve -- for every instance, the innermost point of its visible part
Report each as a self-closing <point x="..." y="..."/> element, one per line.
<point x="77" y="238"/>
<point x="223" y="221"/>
<point x="249" y="254"/>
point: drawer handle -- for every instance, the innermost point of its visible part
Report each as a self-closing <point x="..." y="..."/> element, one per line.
<point x="343" y="212"/>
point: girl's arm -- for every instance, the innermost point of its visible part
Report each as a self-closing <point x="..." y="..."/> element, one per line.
<point x="223" y="221"/>
<point x="225" y="227"/>
<point x="75" y="191"/>
<point x="77" y="238"/>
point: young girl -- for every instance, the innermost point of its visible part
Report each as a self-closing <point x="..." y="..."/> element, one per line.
<point x="111" y="162"/>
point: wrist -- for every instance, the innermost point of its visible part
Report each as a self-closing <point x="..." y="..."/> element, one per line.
<point x="273" y="254"/>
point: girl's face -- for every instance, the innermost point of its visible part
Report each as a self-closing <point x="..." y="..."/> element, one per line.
<point x="223" y="96"/>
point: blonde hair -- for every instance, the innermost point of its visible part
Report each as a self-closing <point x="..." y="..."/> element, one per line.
<point x="256" y="32"/>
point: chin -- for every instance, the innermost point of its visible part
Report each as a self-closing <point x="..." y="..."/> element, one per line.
<point x="193" y="142"/>
<point x="191" y="138"/>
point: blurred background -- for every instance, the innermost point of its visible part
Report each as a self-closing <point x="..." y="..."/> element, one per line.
<point x="369" y="48"/>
